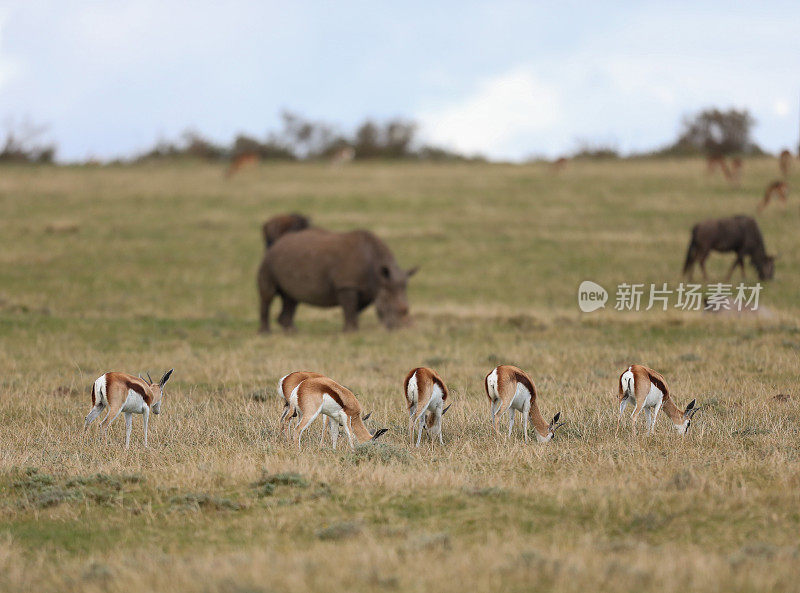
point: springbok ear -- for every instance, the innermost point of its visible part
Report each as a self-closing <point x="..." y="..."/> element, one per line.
<point x="555" y="418"/>
<point x="445" y="410"/>
<point x="411" y="271"/>
<point x="165" y="378"/>
<point x="365" y="418"/>
<point x="378" y="433"/>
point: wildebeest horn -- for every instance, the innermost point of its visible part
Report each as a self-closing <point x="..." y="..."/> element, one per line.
<point x="447" y="408"/>
<point x="365" y="418"/>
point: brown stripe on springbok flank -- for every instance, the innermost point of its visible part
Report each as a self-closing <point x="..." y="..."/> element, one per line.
<point x="658" y="381"/>
<point x="336" y="397"/>
<point x="521" y="377"/>
<point x="145" y="393"/>
<point x="486" y="383"/>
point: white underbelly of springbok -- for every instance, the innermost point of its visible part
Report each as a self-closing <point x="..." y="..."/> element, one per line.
<point x="134" y="403"/>
<point x="521" y="398"/>
<point x="654" y="397"/>
<point x="436" y="400"/>
<point x="331" y="408"/>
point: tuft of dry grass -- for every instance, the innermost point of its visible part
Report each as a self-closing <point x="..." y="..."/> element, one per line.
<point x="161" y="275"/>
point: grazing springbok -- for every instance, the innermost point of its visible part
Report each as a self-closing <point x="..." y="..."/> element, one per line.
<point x="784" y="161"/>
<point x="286" y="387"/>
<point x="718" y="161"/>
<point x="123" y="393"/>
<point x="343" y="155"/>
<point x="777" y="188"/>
<point x="239" y="162"/>
<point x="511" y="389"/>
<point x="648" y="390"/>
<point x="559" y="165"/>
<point x="737" y="165"/>
<point x="425" y="393"/>
<point x="321" y="395"/>
<point x="737" y="233"/>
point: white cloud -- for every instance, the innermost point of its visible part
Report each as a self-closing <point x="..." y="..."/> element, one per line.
<point x="8" y="66"/>
<point x="781" y="107"/>
<point x="497" y="117"/>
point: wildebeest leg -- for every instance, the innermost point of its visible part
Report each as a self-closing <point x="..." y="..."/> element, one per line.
<point x="737" y="262"/>
<point x="266" y="292"/>
<point x="702" y="261"/>
<point x="286" y="317"/>
<point x="348" y="300"/>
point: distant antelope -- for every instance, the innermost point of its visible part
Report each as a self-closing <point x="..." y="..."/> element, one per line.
<point x="343" y="155"/>
<point x="737" y="165"/>
<point x="714" y="162"/>
<point x="511" y="389"/>
<point x="321" y="395"/>
<point x="648" y="390"/>
<point x="123" y="393"/>
<point x="425" y="394"/>
<point x="559" y="165"/>
<point x="777" y="188"/>
<point x="241" y="161"/>
<point x="784" y="162"/>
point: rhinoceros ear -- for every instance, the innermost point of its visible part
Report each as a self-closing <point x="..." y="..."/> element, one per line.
<point x="412" y="271"/>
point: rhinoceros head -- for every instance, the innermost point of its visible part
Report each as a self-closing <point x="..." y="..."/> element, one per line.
<point x="391" y="302"/>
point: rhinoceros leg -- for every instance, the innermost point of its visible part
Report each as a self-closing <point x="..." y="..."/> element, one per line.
<point x="348" y="300"/>
<point x="266" y="290"/>
<point x="286" y="317"/>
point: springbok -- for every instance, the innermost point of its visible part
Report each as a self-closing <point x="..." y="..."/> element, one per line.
<point x="737" y="165"/>
<point x="648" y="390"/>
<point x="321" y="395"/>
<point x="718" y="161"/>
<point x="777" y="188"/>
<point x="286" y="387"/>
<point x="784" y="162"/>
<point x="425" y="393"/>
<point x="343" y="155"/>
<point x="511" y="389"/>
<point x="239" y="162"/>
<point x="123" y="393"/>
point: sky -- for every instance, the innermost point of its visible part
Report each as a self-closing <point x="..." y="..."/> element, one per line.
<point x="509" y="80"/>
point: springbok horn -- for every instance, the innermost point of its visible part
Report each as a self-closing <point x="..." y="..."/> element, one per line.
<point x="365" y="418"/>
<point x="149" y="380"/>
<point x="558" y="426"/>
<point x="447" y="408"/>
